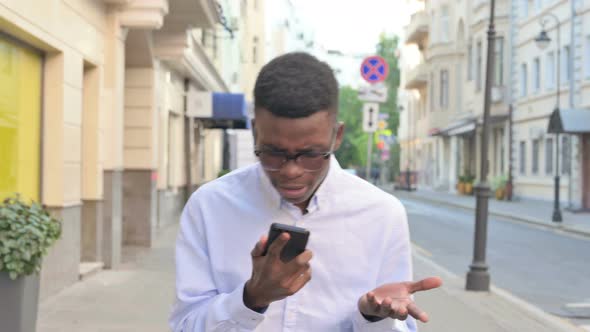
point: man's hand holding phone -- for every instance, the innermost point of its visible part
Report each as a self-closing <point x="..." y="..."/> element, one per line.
<point x="273" y="279"/>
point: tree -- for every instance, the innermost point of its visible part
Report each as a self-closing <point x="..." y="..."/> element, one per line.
<point x="353" y="152"/>
<point x="388" y="49"/>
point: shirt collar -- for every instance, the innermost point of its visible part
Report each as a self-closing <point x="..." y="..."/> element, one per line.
<point x="319" y="199"/>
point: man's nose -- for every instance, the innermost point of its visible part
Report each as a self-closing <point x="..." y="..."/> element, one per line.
<point x="291" y="169"/>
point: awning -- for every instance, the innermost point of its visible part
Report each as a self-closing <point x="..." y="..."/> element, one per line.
<point x="231" y="107"/>
<point x="218" y="110"/>
<point x="569" y="121"/>
<point x="460" y="127"/>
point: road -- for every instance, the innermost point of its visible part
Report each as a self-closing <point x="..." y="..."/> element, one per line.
<point x="547" y="268"/>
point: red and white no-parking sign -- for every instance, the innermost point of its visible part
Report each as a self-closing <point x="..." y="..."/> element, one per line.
<point x="374" y="69"/>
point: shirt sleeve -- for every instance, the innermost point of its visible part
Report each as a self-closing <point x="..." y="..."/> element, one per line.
<point x="199" y="305"/>
<point x="396" y="266"/>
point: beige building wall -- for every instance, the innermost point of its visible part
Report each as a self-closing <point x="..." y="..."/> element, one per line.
<point x="535" y="103"/>
<point x="253" y="44"/>
<point x="72" y="35"/>
<point x="444" y="33"/>
<point x="213" y="153"/>
<point x="140" y="127"/>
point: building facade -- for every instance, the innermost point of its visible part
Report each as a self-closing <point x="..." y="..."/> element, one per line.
<point x="111" y="113"/>
<point x="444" y="80"/>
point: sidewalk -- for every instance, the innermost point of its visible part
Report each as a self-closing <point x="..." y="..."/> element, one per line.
<point x="138" y="297"/>
<point x="529" y="211"/>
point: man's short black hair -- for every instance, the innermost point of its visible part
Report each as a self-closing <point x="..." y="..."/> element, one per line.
<point x="296" y="85"/>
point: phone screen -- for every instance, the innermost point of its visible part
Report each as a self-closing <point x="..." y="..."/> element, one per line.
<point x="296" y="244"/>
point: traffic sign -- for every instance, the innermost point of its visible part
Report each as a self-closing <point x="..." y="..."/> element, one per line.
<point x="374" y="93"/>
<point x="374" y="69"/>
<point x="370" y="117"/>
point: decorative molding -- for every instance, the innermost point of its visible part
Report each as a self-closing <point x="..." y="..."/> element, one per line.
<point x="144" y="14"/>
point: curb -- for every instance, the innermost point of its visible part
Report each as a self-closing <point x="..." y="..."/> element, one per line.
<point x="530" y="221"/>
<point x="538" y="314"/>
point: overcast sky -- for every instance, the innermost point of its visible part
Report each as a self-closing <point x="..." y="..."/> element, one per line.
<point x="353" y="26"/>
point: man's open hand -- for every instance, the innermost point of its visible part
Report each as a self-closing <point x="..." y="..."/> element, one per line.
<point x="393" y="300"/>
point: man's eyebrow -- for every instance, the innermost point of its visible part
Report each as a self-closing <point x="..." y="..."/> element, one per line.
<point x="271" y="147"/>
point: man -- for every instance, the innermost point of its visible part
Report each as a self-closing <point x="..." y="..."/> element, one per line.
<point x="355" y="274"/>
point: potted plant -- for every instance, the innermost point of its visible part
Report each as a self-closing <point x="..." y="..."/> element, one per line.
<point x="499" y="187"/>
<point x="461" y="185"/>
<point x="469" y="179"/>
<point x="26" y="233"/>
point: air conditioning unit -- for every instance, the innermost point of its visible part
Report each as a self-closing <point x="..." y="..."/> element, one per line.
<point x="497" y="94"/>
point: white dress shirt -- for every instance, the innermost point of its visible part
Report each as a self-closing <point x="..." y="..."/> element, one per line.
<point x="358" y="236"/>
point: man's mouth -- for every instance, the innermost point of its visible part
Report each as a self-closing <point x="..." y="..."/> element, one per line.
<point x="292" y="191"/>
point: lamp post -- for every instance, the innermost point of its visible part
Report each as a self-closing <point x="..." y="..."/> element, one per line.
<point x="542" y="41"/>
<point x="478" y="277"/>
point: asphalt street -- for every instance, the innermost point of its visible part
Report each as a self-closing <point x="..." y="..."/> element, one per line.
<point x="547" y="268"/>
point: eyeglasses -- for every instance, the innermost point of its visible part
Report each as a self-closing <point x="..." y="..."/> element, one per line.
<point x="310" y="161"/>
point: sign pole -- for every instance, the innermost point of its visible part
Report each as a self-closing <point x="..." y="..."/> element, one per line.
<point x="374" y="69"/>
<point x="369" y="155"/>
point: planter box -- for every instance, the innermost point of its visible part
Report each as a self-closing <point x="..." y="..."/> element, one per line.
<point x="19" y="303"/>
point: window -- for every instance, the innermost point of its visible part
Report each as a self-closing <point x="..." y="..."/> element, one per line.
<point x="432" y="95"/>
<point x="550" y="71"/>
<point x="523" y="80"/>
<point x="478" y="68"/>
<point x="20" y="114"/>
<point x="587" y="57"/>
<point x="549" y="156"/>
<point x="522" y="157"/>
<point x="444" y="89"/>
<point x="537" y="75"/>
<point x="566" y="157"/>
<point x="499" y="62"/>
<point x="444" y="24"/>
<point x="565" y="65"/>
<point x="470" y="62"/>
<point x="536" y="148"/>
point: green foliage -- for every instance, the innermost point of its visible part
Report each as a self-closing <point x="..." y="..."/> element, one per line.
<point x="499" y="182"/>
<point x="223" y="172"/>
<point x="353" y="151"/>
<point x="26" y="233"/>
<point x="467" y="178"/>
<point x="388" y="49"/>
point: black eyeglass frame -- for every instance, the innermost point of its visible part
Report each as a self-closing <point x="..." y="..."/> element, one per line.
<point x="295" y="156"/>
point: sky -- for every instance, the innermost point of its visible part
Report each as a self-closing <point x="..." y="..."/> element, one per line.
<point x="353" y="27"/>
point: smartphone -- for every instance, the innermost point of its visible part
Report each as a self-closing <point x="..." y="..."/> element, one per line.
<point x="296" y="244"/>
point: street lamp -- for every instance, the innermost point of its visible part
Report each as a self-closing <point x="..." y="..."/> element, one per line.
<point x="478" y="277"/>
<point x="542" y="41"/>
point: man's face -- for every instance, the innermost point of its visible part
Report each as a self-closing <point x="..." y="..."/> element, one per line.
<point x="315" y="133"/>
